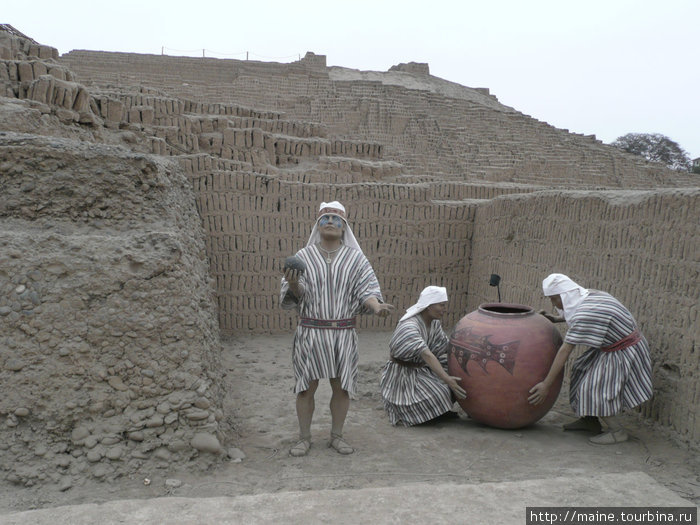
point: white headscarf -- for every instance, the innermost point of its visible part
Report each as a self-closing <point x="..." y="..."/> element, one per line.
<point x="571" y="293"/>
<point x="429" y="295"/>
<point x="334" y="208"/>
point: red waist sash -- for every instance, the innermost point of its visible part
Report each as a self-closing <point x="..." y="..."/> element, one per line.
<point x="625" y="342"/>
<point x="328" y="324"/>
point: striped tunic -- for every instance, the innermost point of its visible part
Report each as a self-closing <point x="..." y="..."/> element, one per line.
<point x="415" y="395"/>
<point x="335" y="290"/>
<point x="603" y="383"/>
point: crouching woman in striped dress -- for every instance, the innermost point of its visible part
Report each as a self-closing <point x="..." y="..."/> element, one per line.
<point x="613" y="374"/>
<point x="415" y="384"/>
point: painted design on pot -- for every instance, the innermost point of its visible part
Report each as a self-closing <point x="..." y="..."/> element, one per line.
<point x="467" y="346"/>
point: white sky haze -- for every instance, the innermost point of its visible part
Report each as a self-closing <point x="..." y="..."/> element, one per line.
<point x="603" y="67"/>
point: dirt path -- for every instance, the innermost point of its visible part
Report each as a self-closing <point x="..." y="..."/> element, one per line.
<point x="461" y="451"/>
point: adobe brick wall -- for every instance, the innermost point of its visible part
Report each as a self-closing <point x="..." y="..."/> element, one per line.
<point x="452" y="150"/>
<point x="443" y="185"/>
<point x="643" y="247"/>
<point x="253" y="222"/>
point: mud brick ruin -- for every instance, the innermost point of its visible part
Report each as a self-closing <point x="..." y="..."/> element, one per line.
<point x="147" y="202"/>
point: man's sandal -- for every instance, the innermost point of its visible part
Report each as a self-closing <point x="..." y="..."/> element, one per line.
<point x="610" y="438"/>
<point x="340" y="446"/>
<point x="301" y="448"/>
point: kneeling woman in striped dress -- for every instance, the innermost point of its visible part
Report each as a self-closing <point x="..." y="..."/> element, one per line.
<point x="613" y="374"/>
<point x="415" y="384"/>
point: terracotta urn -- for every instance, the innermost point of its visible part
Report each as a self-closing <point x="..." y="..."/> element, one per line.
<point x="501" y="351"/>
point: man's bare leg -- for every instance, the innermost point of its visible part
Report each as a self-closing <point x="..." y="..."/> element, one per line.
<point x="305" y="410"/>
<point x="340" y="403"/>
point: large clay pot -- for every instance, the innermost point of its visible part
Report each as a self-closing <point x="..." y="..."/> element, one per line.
<point x="501" y="351"/>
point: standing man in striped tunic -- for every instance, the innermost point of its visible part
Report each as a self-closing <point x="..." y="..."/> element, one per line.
<point x="415" y="384"/>
<point x="615" y="372"/>
<point x="337" y="284"/>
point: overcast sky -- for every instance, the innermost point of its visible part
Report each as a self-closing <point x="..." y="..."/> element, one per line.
<point x="603" y="67"/>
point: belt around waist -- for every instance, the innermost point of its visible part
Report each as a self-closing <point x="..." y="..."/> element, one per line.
<point x="623" y="343"/>
<point x="328" y="324"/>
<point x="409" y="364"/>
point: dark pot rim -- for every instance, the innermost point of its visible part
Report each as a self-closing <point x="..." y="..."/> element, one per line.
<point x="506" y="309"/>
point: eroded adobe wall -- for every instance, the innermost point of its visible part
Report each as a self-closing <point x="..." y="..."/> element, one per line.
<point x="642" y="247"/>
<point x="110" y="350"/>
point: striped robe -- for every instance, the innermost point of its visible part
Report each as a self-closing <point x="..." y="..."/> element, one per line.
<point x="415" y="395"/>
<point x="331" y="291"/>
<point x="603" y="383"/>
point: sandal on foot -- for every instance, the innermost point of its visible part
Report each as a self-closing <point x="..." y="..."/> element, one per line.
<point x="340" y="446"/>
<point x="301" y="448"/>
<point x="587" y="423"/>
<point x="609" y="438"/>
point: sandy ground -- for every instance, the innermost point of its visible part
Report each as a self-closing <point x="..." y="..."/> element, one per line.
<point x="453" y="451"/>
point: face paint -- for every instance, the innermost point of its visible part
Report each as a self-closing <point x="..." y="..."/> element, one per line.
<point x="332" y="219"/>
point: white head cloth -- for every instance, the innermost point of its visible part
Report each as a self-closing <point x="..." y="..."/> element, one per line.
<point x="429" y="295"/>
<point x="571" y="293"/>
<point x="334" y="208"/>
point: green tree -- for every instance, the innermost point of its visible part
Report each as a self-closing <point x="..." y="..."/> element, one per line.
<point x="655" y="147"/>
